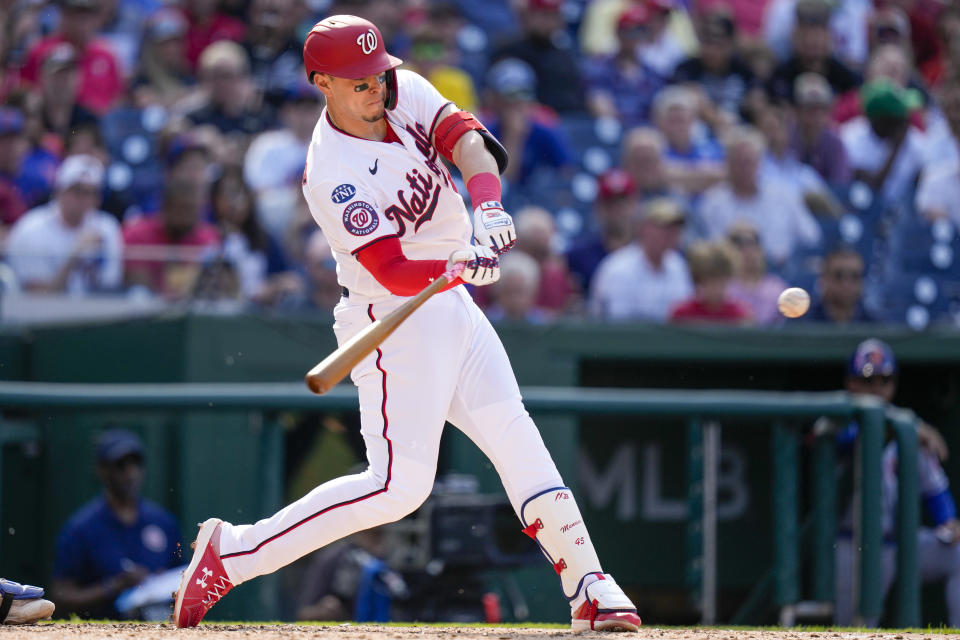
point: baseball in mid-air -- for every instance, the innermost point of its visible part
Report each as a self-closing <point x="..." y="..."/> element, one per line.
<point x="793" y="302"/>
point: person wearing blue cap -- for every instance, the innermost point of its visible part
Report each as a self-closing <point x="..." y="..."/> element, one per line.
<point x="117" y="540"/>
<point x="532" y="142"/>
<point x="872" y="370"/>
<point x="12" y="148"/>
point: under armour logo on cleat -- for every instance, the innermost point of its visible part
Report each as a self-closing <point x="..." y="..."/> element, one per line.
<point x="373" y="169"/>
<point x="203" y="581"/>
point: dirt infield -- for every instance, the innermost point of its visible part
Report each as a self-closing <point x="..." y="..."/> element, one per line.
<point x="140" y="631"/>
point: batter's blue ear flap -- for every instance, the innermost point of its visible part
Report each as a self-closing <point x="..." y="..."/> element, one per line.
<point x="390" y="95"/>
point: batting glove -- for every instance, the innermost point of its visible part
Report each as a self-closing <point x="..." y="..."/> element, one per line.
<point x="493" y="227"/>
<point x="481" y="265"/>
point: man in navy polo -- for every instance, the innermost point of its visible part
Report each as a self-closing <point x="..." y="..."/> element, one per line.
<point x="116" y="540"/>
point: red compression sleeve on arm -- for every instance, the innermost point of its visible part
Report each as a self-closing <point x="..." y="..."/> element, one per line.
<point x="402" y="277"/>
<point x="483" y="187"/>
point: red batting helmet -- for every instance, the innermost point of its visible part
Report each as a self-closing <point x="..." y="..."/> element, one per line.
<point x="346" y="47"/>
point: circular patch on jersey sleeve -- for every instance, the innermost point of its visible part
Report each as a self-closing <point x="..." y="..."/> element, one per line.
<point x="360" y="218"/>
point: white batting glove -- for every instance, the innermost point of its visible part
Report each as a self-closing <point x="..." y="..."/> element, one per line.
<point x="481" y="265"/>
<point x="493" y="227"/>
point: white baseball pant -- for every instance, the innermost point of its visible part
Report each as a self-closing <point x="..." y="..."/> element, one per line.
<point x="445" y="362"/>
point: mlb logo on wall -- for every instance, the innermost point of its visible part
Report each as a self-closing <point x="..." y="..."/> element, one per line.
<point x="343" y="193"/>
<point x="360" y="218"/>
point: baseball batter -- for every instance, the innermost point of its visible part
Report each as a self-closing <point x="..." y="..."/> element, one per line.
<point x="376" y="184"/>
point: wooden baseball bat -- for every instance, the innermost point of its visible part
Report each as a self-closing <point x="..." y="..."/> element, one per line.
<point x="338" y="364"/>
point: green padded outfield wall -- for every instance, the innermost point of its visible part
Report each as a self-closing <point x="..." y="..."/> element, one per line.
<point x="629" y="475"/>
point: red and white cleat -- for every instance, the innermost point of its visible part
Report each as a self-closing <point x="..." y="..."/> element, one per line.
<point x="606" y="608"/>
<point x="205" y="580"/>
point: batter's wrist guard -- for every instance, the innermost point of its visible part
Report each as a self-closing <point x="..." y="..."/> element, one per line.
<point x="553" y="520"/>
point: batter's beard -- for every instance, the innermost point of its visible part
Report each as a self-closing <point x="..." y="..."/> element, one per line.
<point x="375" y="118"/>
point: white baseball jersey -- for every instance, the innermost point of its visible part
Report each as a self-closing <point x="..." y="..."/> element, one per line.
<point x="361" y="191"/>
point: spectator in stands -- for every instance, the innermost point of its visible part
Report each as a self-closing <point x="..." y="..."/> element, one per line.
<point x="58" y="87"/>
<point x="621" y="85"/>
<point x="847" y="24"/>
<point x="946" y="62"/>
<point x="775" y="210"/>
<point x="21" y="28"/>
<point x="887" y="62"/>
<point x="436" y="60"/>
<point x="663" y="50"/>
<point x="531" y="142"/>
<point x="13" y="146"/>
<point x="814" y="140"/>
<point x="188" y="159"/>
<point x="257" y="259"/>
<point x="873" y="371"/>
<point x="642" y="156"/>
<point x="812" y="52"/>
<point x="646" y="278"/>
<point x="780" y="164"/>
<point x="231" y="104"/>
<point x="724" y="82"/>
<point x="747" y="15"/>
<point x="115" y="541"/>
<point x="165" y="252"/>
<point x="121" y="26"/>
<point x="321" y="290"/>
<point x="101" y="81"/>
<point x="597" y="32"/>
<point x="938" y="196"/>
<point x="752" y="285"/>
<point x="43" y="155"/>
<point x="208" y="24"/>
<point x="712" y="265"/>
<point x="840" y="287"/>
<point x="556" y="291"/>
<point x="276" y="55"/>
<point x="514" y="296"/>
<point x="612" y="220"/>
<point x="273" y="164"/>
<point x="549" y="51"/>
<point x="68" y="245"/>
<point x="164" y="73"/>
<point x="888" y="25"/>
<point x="693" y="161"/>
<point x="886" y="152"/>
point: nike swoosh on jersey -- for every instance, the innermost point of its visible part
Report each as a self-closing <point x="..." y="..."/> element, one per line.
<point x="373" y="170"/>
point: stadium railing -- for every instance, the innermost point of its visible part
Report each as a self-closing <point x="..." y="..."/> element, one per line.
<point x="783" y="412"/>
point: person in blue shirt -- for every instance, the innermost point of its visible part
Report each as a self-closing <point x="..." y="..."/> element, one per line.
<point x="528" y="131"/>
<point x="873" y="371"/>
<point x="118" y="539"/>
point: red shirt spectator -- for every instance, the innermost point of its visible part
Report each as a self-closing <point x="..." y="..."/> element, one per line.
<point x="101" y="82"/>
<point x="166" y="252"/>
<point x="711" y="267"/>
<point x="694" y="310"/>
<point x="207" y="25"/>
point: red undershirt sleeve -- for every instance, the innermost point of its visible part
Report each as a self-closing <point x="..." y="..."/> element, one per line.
<point x="402" y="277"/>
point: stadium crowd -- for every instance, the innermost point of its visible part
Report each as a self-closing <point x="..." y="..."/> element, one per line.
<point x="671" y="160"/>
